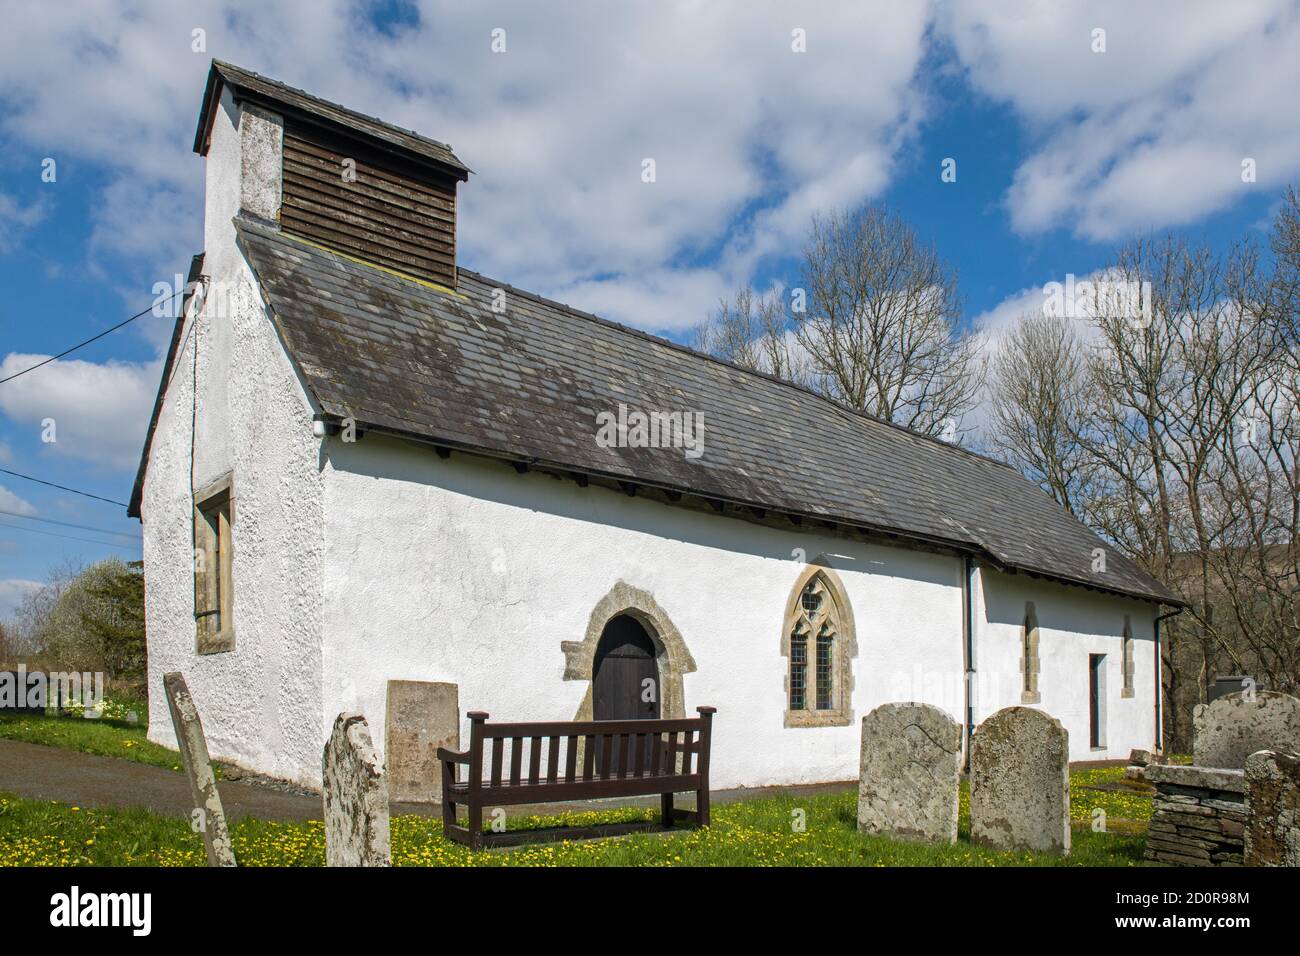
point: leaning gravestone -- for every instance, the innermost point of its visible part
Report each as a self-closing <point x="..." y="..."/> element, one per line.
<point x="209" y="818"/>
<point x="908" y="780"/>
<point x="1232" y="728"/>
<point x="1272" y="835"/>
<point x="1020" y="782"/>
<point x="356" y="797"/>
<point x="422" y="716"/>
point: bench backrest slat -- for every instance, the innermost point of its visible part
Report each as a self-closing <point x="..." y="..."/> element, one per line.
<point x="498" y="749"/>
<point x="644" y="749"/>
<point x="516" y="759"/>
<point x="553" y="759"/>
<point x="534" y="759"/>
<point x="571" y="759"/>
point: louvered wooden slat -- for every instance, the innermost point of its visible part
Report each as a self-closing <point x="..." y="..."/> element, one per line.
<point x="387" y="216"/>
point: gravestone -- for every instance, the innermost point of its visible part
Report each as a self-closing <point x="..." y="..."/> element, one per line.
<point x="355" y="794"/>
<point x="908" y="778"/>
<point x="1020" y="782"/>
<point x="1232" y="728"/>
<point x="422" y="716"/>
<point x="208" y="817"/>
<point x="1272" y="809"/>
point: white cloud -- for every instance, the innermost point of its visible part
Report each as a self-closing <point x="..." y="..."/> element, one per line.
<point x="13" y="503"/>
<point x="16" y="218"/>
<point x="12" y="592"/>
<point x="749" y="138"/>
<point x="747" y="135"/>
<point x="1152" y="132"/>
<point x="100" y="411"/>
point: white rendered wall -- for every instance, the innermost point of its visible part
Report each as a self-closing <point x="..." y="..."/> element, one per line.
<point x="261" y="703"/>
<point x="462" y="570"/>
<point x="1072" y="623"/>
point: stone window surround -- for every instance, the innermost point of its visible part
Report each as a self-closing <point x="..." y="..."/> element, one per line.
<point x="218" y="496"/>
<point x="1030" y="665"/>
<point x="844" y="649"/>
<point x="672" y="656"/>
<point x="1126" y="658"/>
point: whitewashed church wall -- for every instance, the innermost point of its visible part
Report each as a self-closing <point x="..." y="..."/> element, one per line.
<point x="463" y="570"/>
<point x="1073" y="624"/>
<point x="260" y="703"/>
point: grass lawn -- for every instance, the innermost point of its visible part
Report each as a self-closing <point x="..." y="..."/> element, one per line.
<point x="105" y="736"/>
<point x="753" y="833"/>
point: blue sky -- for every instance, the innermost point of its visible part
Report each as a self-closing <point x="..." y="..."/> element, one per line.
<point x="1063" y="151"/>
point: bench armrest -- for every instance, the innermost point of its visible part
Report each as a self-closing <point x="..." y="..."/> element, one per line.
<point x="452" y="756"/>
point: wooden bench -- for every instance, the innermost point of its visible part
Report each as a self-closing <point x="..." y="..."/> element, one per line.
<point x="574" y="760"/>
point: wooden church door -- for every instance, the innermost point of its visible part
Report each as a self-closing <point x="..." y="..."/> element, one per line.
<point x="625" y="673"/>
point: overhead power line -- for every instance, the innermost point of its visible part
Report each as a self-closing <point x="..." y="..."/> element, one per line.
<point x="70" y="537"/>
<point x="93" y="338"/>
<point x="50" y="484"/>
<point x="72" y="524"/>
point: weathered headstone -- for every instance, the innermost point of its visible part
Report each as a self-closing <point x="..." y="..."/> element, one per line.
<point x="422" y="716"/>
<point x="355" y="793"/>
<point x="1272" y="809"/>
<point x="1232" y="728"/>
<point x="1020" y="782"/>
<point x="208" y="818"/>
<point x="908" y="778"/>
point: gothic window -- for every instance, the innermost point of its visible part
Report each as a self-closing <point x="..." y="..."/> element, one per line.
<point x="819" y="643"/>
<point x="1029" y="693"/>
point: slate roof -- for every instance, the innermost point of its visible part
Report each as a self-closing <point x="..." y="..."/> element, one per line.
<point x="411" y="359"/>
<point x="287" y="100"/>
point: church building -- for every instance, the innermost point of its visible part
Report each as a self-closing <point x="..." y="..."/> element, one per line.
<point x="367" y="464"/>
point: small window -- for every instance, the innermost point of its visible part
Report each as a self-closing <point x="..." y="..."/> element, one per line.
<point x="213" y="590"/>
<point x="1029" y="656"/>
<point x="1127" y="658"/>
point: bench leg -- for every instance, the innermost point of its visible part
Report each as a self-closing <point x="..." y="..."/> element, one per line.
<point x="666" y="804"/>
<point x="475" y="826"/>
<point x="702" y="808"/>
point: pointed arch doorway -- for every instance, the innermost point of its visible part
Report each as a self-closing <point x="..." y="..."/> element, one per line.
<point x="625" y="672"/>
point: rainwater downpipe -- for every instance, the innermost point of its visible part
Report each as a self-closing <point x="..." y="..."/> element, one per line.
<point x="1160" y="714"/>
<point x="968" y="651"/>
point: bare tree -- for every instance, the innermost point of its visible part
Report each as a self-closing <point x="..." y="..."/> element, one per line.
<point x="1038" y="380"/>
<point x="873" y="325"/>
<point x="881" y="324"/>
<point x="753" y="330"/>
<point x="1184" y="437"/>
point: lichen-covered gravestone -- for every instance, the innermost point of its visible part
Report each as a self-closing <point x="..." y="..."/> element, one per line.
<point x="1272" y="835"/>
<point x="208" y="818"/>
<point x="356" y="797"/>
<point x="1230" y="729"/>
<point x="1020" y="782"/>
<point x="422" y="716"/>
<point x="907" y="785"/>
